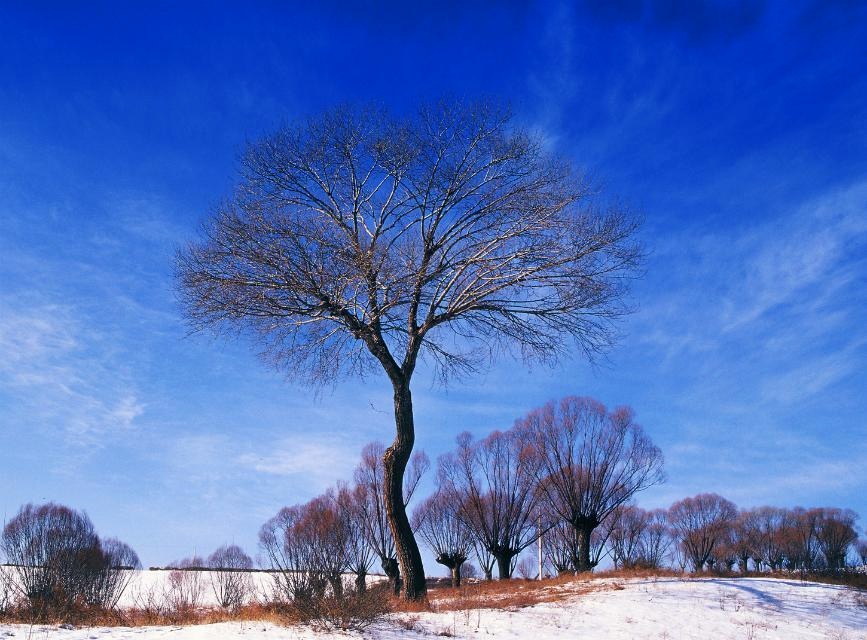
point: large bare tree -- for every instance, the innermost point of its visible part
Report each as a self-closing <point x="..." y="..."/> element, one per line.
<point x="700" y="525"/>
<point x="358" y="241"/>
<point x="438" y="521"/>
<point x="591" y="462"/>
<point x="493" y="483"/>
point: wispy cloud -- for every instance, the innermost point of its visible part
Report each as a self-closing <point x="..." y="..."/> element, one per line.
<point x="61" y="374"/>
<point x="806" y="258"/>
<point x="777" y="297"/>
<point x="312" y="461"/>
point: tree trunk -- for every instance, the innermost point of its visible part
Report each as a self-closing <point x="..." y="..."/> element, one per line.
<point x="582" y="534"/>
<point x="504" y="565"/>
<point x="394" y="462"/>
<point x="391" y="569"/>
<point x="361" y="582"/>
<point x="456" y="576"/>
<point x="336" y="581"/>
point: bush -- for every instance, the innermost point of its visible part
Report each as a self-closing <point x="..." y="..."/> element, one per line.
<point x="349" y="610"/>
<point x="5" y="591"/>
<point x="309" y="548"/>
<point x="184" y="590"/>
<point x="230" y="578"/>
<point x="59" y="564"/>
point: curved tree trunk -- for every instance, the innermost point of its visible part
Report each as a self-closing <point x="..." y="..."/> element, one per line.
<point x="394" y="462"/>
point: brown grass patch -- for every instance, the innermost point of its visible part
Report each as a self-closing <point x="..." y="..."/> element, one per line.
<point x="503" y="594"/>
<point x="138" y="617"/>
<point x="519" y="593"/>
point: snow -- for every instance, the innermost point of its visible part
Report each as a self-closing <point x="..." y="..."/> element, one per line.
<point x="723" y="608"/>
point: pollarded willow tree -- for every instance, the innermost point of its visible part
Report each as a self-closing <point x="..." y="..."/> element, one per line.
<point x="360" y="241"/>
<point x="592" y="461"/>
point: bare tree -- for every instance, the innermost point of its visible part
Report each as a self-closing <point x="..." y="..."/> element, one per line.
<point x="370" y="478"/>
<point x="494" y="483"/>
<point x="487" y="562"/>
<point x="119" y="562"/>
<point x="230" y="576"/>
<point x="527" y="568"/>
<point x="185" y="587"/>
<point x="861" y="550"/>
<point x="469" y="571"/>
<point x="352" y="504"/>
<point x="746" y="541"/>
<point x="60" y="562"/>
<point x="769" y="525"/>
<point x="324" y="530"/>
<point x="308" y="546"/>
<point x="558" y="546"/>
<point x="6" y="590"/>
<point x="561" y="546"/>
<point x="49" y="546"/>
<point x="591" y="462"/>
<point x="701" y="524"/>
<point x="835" y="534"/>
<point x="357" y="241"/>
<point x="656" y="539"/>
<point x="438" y="521"/>
<point x="628" y="526"/>
<point x="281" y="557"/>
<point x="799" y="541"/>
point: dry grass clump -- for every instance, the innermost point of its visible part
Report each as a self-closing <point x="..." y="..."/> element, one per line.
<point x="849" y="578"/>
<point x="502" y="594"/>
<point x="518" y="593"/>
<point x="634" y="573"/>
<point x="154" y="606"/>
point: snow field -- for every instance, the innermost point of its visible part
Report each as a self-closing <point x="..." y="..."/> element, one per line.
<point x="659" y="608"/>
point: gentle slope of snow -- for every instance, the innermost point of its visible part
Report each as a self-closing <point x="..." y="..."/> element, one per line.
<point x="737" y="609"/>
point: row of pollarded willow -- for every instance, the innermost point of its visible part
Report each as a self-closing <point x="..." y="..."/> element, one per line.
<point x="711" y="532"/>
<point x="570" y="463"/>
<point x="359" y="241"/>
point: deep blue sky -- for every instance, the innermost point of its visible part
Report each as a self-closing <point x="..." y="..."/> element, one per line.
<point x="739" y="131"/>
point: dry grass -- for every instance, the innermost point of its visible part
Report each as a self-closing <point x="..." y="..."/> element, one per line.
<point x="473" y="595"/>
<point x="87" y="616"/>
<point x="518" y="593"/>
<point x="344" y="615"/>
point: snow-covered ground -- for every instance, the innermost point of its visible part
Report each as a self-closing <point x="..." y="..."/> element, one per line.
<point x="737" y="608"/>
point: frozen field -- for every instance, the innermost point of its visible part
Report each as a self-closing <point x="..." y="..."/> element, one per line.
<point x="744" y="608"/>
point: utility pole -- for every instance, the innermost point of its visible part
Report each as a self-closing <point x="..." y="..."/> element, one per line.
<point x="540" y="544"/>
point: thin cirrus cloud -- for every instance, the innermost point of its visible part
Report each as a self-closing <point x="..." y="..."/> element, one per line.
<point x="769" y="286"/>
<point x="59" y="375"/>
<point x="313" y="461"/>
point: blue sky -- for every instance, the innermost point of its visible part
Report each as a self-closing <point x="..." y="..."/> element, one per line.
<point x="738" y="130"/>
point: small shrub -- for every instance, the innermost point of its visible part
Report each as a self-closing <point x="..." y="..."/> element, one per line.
<point x="5" y="592"/>
<point x="184" y="590"/>
<point x="230" y="577"/>
<point x="150" y="605"/>
<point x="409" y="623"/>
<point x="526" y="569"/>
<point x="350" y="610"/>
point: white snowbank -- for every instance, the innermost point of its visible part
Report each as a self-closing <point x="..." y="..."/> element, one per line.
<point x="740" y="608"/>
